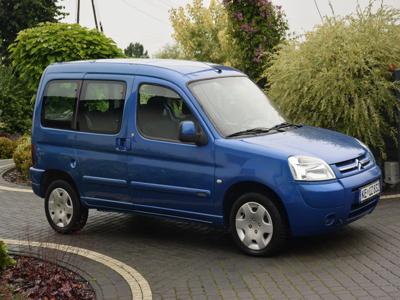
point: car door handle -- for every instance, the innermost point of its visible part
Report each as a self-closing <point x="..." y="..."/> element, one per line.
<point x="122" y="144"/>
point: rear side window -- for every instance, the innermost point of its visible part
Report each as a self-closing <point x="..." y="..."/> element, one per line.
<point x="101" y="106"/>
<point x="59" y="103"/>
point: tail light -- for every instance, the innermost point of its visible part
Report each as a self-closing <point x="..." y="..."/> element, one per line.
<point x="33" y="153"/>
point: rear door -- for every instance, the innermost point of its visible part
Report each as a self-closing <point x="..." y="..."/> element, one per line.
<point x="101" y="140"/>
<point x="53" y="130"/>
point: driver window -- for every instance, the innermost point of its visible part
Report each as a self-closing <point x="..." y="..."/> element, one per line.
<point x="160" y="111"/>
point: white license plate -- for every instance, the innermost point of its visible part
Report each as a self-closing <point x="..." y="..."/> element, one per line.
<point x="370" y="191"/>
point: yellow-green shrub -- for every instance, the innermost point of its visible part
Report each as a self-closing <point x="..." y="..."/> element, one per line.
<point x="338" y="76"/>
<point x="22" y="156"/>
<point x="7" y="147"/>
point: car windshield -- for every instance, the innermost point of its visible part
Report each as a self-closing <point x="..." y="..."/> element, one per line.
<point x="235" y="104"/>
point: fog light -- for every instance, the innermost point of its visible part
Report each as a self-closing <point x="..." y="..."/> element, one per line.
<point x="330" y="220"/>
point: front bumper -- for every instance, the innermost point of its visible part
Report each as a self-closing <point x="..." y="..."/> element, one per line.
<point x="315" y="208"/>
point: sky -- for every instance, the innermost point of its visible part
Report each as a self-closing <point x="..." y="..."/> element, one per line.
<point x="147" y="21"/>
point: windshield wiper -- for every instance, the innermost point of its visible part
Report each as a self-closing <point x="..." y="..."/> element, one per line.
<point x="283" y="125"/>
<point x="257" y="130"/>
<point x="249" y="131"/>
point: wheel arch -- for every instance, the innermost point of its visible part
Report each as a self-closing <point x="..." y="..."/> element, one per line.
<point x="51" y="175"/>
<point x="240" y="188"/>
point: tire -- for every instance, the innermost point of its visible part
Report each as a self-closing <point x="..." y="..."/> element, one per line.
<point x="64" y="211"/>
<point x="257" y="226"/>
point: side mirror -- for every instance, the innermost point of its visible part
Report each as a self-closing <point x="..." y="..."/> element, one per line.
<point x="189" y="133"/>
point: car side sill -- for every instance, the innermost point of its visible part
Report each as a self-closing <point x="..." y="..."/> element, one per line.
<point x="111" y="205"/>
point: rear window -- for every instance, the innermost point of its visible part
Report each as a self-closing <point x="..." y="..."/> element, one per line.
<point x="59" y="104"/>
<point x="101" y="106"/>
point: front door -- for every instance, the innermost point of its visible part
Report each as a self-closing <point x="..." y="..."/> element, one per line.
<point x="102" y="141"/>
<point x="168" y="177"/>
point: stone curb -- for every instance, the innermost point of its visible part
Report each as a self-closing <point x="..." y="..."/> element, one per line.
<point x="140" y="288"/>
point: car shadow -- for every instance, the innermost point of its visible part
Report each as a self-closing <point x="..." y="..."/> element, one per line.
<point x="156" y="232"/>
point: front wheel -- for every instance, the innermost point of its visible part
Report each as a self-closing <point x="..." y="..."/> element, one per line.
<point x="257" y="225"/>
<point x="64" y="211"/>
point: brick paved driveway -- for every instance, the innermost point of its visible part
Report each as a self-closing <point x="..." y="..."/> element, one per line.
<point x="186" y="261"/>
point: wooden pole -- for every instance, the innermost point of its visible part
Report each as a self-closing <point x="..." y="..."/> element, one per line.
<point x="94" y="15"/>
<point x="78" y="10"/>
<point x="319" y="12"/>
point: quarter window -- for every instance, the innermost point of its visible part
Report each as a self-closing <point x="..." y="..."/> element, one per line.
<point x="101" y="106"/>
<point x="59" y="104"/>
<point x="160" y="111"/>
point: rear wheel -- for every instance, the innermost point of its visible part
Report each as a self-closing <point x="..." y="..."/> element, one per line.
<point x="257" y="226"/>
<point x="64" y="211"/>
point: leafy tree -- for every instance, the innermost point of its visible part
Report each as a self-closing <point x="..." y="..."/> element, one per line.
<point x="338" y="76"/>
<point x="36" y="48"/>
<point x="136" y="50"/>
<point x="170" y="51"/>
<point x="15" y="105"/>
<point x="256" y="28"/>
<point x="16" y="15"/>
<point x="200" y="32"/>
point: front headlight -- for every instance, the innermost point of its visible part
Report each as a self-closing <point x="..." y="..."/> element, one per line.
<point x="308" y="168"/>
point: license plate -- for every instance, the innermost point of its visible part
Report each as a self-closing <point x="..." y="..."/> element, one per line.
<point x="369" y="191"/>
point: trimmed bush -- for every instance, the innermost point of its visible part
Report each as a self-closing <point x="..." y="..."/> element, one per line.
<point x="5" y="259"/>
<point x="338" y="77"/>
<point x="23" y="157"/>
<point x="35" y="48"/>
<point x="7" y="147"/>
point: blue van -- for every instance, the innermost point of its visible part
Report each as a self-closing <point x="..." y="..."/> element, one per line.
<point x="193" y="141"/>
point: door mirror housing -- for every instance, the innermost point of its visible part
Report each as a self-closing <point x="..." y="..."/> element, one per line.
<point x="190" y="133"/>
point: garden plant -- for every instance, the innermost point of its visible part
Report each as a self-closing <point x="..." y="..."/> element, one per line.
<point x="5" y="259"/>
<point x="256" y="27"/>
<point x="7" y="147"/>
<point x="338" y="76"/>
<point x="22" y="156"/>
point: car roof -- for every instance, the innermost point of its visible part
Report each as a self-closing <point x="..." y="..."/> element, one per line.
<point x="163" y="68"/>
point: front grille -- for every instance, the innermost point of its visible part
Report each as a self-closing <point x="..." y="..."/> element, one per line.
<point x="355" y="164"/>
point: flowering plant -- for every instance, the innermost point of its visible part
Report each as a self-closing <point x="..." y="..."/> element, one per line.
<point x="256" y="27"/>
